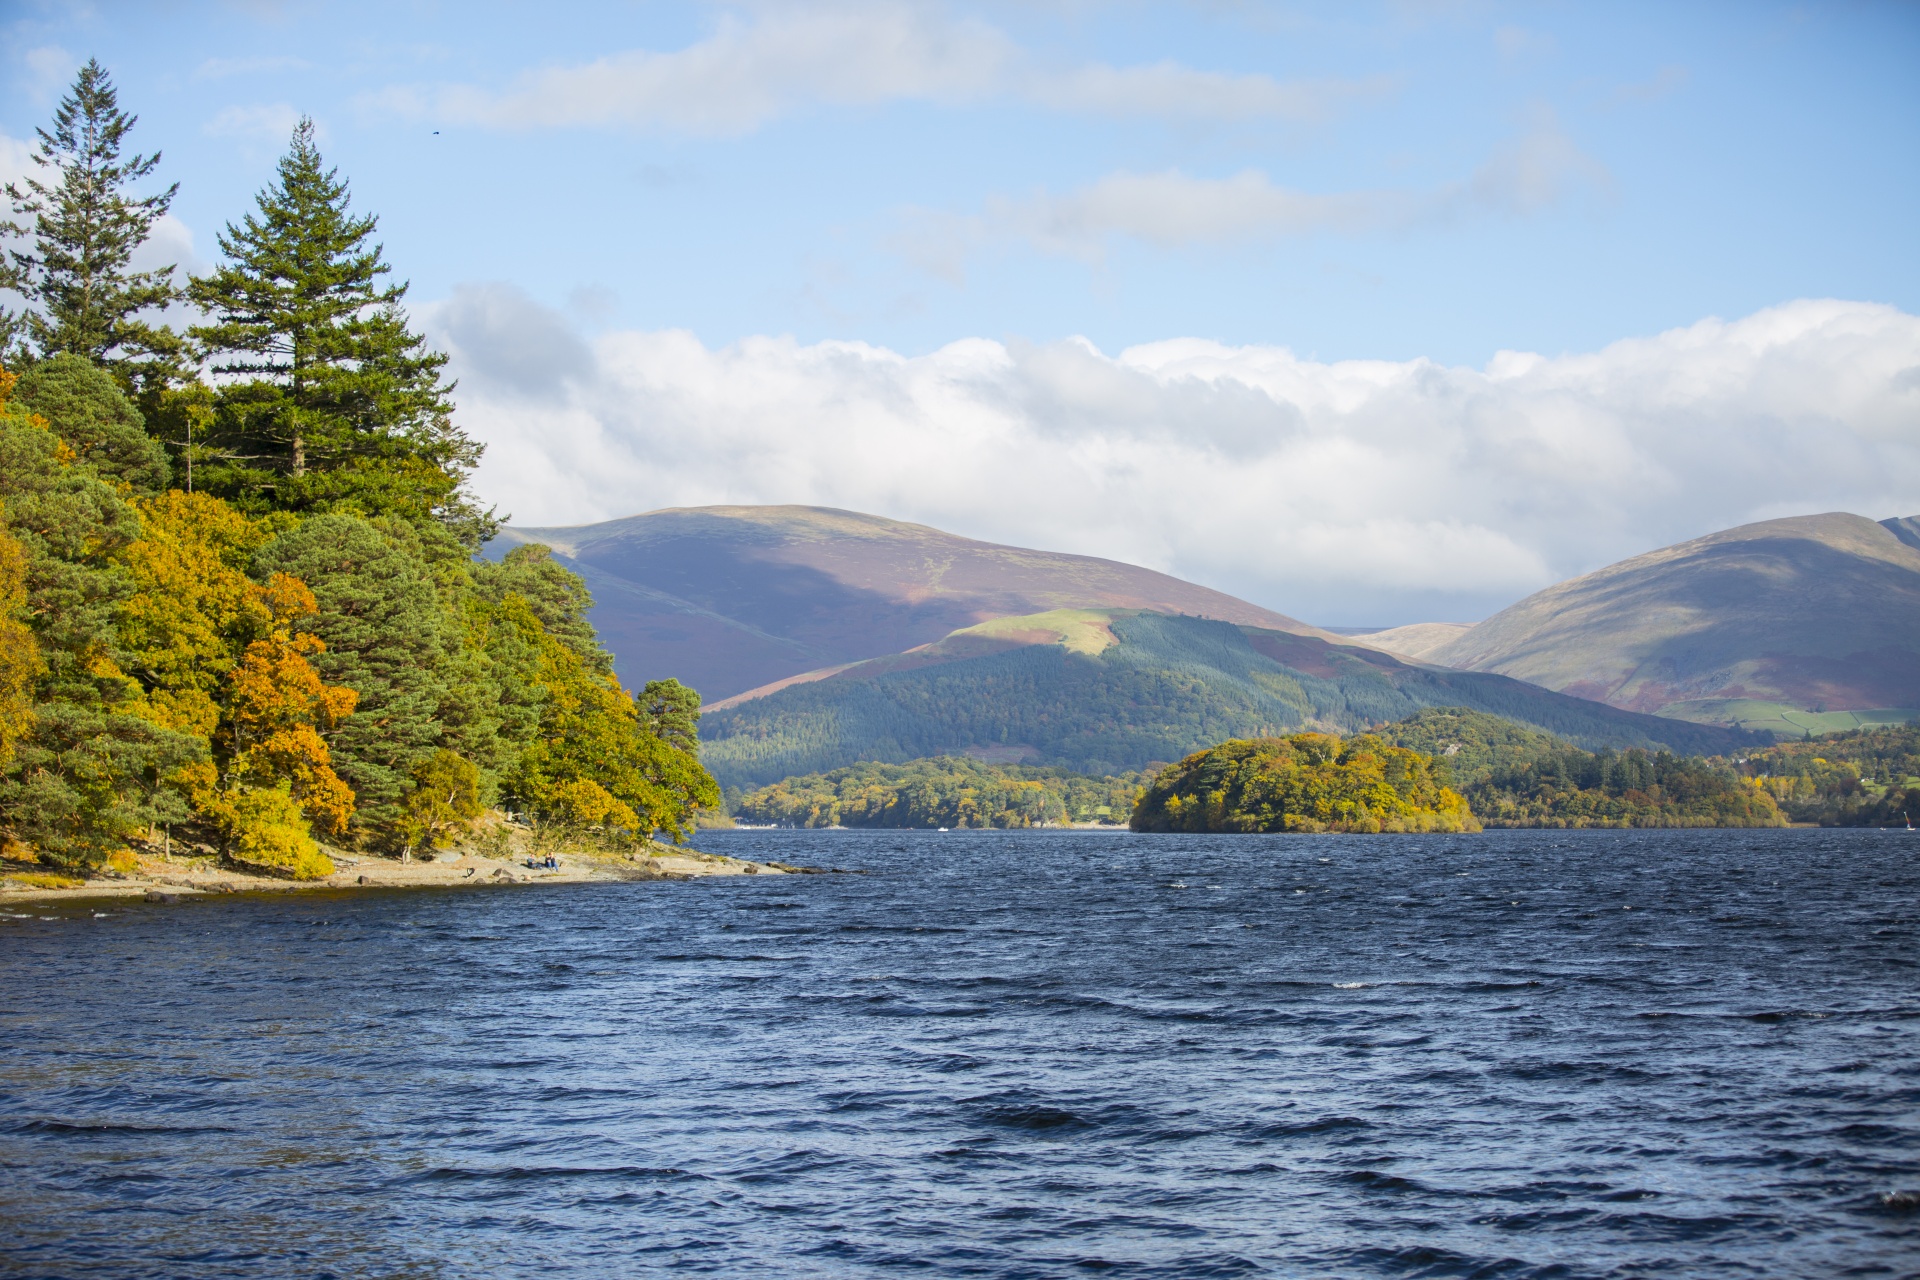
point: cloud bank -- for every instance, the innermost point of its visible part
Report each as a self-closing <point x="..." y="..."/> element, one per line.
<point x="1348" y="493"/>
<point x="748" y="73"/>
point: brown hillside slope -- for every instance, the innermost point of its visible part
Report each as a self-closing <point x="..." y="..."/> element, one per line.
<point x="1818" y="612"/>
<point x="1417" y="640"/>
<point x="727" y="599"/>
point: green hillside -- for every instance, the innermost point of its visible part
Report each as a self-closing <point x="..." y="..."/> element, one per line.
<point x="1862" y="778"/>
<point x="1164" y="687"/>
<point x="1515" y="776"/>
<point x="950" y="791"/>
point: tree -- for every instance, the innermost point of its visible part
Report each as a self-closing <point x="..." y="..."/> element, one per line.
<point x="335" y="405"/>
<point x="671" y="711"/>
<point x="85" y="228"/>
<point x="444" y="801"/>
<point x="20" y="664"/>
<point x="388" y="638"/>
<point x="89" y="770"/>
<point x="87" y="410"/>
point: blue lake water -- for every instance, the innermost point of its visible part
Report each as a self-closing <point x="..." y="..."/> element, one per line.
<point x="995" y="1055"/>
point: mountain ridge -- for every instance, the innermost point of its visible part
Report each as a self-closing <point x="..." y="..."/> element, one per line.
<point x="732" y="598"/>
<point x="1020" y="689"/>
<point x="1818" y="612"/>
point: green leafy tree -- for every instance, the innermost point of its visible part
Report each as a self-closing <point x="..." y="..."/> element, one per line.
<point x="444" y="801"/>
<point x="84" y="227"/>
<point x="332" y="402"/>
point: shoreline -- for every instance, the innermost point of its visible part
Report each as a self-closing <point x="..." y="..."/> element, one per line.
<point x="163" y="878"/>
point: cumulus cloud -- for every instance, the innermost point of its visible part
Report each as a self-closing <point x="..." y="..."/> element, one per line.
<point x="750" y="72"/>
<point x="1349" y="492"/>
<point x="1534" y="171"/>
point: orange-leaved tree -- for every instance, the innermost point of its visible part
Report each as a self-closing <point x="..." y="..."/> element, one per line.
<point x="277" y="707"/>
<point x="20" y="663"/>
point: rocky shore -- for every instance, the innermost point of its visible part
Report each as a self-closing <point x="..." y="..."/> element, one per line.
<point x="164" y="878"/>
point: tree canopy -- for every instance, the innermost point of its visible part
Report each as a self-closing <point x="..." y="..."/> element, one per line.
<point x="277" y="639"/>
<point x="327" y="400"/>
<point x="82" y="227"/>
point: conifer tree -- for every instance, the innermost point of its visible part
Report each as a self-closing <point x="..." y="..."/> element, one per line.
<point x="84" y="229"/>
<point x="335" y="404"/>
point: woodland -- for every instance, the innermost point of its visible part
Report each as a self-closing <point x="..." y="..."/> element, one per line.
<point x="1857" y="778"/>
<point x="1516" y="776"/>
<point x="949" y="791"/>
<point x="239" y="594"/>
<point x="1306" y="782"/>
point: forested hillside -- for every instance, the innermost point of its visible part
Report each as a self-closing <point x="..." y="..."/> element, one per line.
<point x="1515" y="776"/>
<point x="1162" y="687"/>
<point x="1863" y="778"/>
<point x="238" y="593"/>
<point x="951" y="791"/>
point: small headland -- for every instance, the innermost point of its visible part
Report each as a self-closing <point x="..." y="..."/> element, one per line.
<point x="164" y="871"/>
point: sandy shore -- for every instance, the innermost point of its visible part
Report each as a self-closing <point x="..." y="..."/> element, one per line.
<point x="163" y="879"/>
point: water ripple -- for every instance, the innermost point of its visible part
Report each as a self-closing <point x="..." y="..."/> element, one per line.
<point x="997" y="1055"/>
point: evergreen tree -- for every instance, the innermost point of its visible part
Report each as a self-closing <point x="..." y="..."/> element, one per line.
<point x="387" y="638"/>
<point x="335" y="405"/>
<point x="84" y="229"/>
<point x="98" y="423"/>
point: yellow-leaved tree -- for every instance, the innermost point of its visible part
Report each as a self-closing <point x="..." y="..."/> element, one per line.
<point x="194" y="610"/>
<point x="20" y="663"/>
<point x="276" y="781"/>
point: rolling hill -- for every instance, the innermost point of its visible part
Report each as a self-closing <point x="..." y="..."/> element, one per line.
<point x="730" y="598"/>
<point x="1111" y="690"/>
<point x="1808" y="623"/>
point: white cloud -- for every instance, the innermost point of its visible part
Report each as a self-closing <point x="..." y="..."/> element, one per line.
<point x="49" y="72"/>
<point x="1534" y="171"/>
<point x="16" y="160"/>
<point x="1358" y="491"/>
<point x="748" y="73"/>
<point x="266" y="122"/>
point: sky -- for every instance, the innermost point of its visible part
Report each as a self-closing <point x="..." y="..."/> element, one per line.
<point x="1369" y="313"/>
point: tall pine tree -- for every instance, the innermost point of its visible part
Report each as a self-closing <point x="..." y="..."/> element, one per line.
<point x="83" y="231"/>
<point x="331" y="403"/>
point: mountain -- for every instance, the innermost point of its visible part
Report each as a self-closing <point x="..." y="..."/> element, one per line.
<point x="1415" y="640"/>
<point x="1808" y="623"/>
<point x="1112" y="690"/>
<point x="730" y="598"/>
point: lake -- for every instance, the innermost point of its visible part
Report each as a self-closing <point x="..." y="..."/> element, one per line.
<point x="1517" y="1054"/>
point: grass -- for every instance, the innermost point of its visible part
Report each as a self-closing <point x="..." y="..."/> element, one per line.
<point x="1781" y="720"/>
<point x="45" y="880"/>
<point x="1079" y="630"/>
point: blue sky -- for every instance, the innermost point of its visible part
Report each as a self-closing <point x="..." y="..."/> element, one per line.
<point x="872" y="183"/>
<point x="1662" y="162"/>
